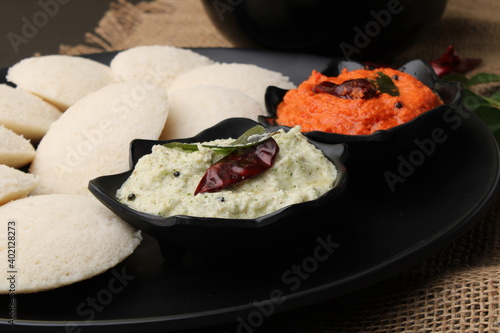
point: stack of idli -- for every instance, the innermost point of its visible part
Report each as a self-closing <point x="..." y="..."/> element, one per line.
<point x="24" y="120"/>
<point x="15" y="150"/>
<point x="249" y="79"/>
<point x="82" y="122"/>
<point x="59" y="239"/>
<point x="26" y="114"/>
<point x="81" y="116"/>
<point x="157" y="63"/>
<point x="42" y="87"/>
<point x="201" y="91"/>
<point x="93" y="136"/>
<point x="194" y="109"/>
<point x="59" y="79"/>
<point x="15" y="184"/>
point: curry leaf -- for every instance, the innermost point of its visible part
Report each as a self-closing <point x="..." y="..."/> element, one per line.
<point x="495" y="98"/>
<point x="492" y="101"/>
<point x="251" y="137"/>
<point x="456" y="77"/>
<point x="482" y="78"/>
<point x="451" y="67"/>
<point x="473" y="101"/>
<point x="487" y="108"/>
<point x="385" y="84"/>
<point x="182" y="145"/>
<point x="491" y="116"/>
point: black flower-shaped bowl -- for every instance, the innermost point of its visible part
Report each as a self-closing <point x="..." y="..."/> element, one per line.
<point x="178" y="234"/>
<point x="382" y="148"/>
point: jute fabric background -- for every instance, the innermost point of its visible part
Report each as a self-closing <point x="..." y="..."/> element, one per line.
<point x="456" y="290"/>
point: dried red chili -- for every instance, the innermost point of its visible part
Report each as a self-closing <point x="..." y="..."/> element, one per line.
<point x="351" y="89"/>
<point x="450" y="62"/>
<point x="241" y="164"/>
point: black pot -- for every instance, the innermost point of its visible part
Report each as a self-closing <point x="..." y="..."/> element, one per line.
<point x="373" y="30"/>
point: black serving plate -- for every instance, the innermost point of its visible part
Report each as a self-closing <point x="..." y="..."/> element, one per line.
<point x="375" y="233"/>
<point x="180" y="233"/>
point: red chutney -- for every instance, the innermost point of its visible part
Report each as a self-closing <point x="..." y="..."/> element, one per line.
<point x="315" y="111"/>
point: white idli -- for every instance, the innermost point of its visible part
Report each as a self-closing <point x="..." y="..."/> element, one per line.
<point x="159" y="63"/>
<point x="26" y="114"/>
<point x="60" y="79"/>
<point x="92" y="137"/>
<point x="60" y="239"/>
<point x="193" y="109"/>
<point x="250" y="79"/>
<point x="15" y="150"/>
<point x="14" y="184"/>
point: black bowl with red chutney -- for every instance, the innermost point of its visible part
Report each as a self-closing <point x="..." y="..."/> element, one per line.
<point x="373" y="148"/>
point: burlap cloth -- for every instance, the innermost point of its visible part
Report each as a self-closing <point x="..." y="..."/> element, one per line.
<point x="456" y="290"/>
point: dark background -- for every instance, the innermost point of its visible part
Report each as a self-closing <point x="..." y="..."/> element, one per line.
<point x="42" y="25"/>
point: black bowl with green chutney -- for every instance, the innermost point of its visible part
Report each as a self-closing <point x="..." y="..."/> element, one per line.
<point x="177" y="234"/>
